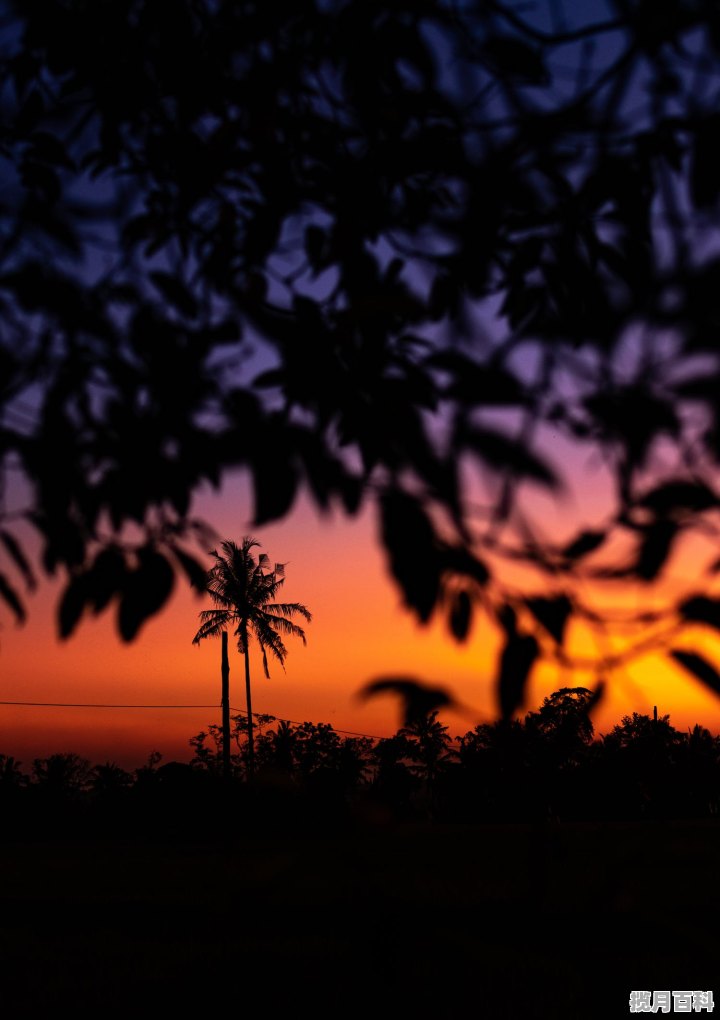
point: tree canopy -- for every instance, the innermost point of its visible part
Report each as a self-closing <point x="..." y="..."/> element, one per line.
<point x="390" y="242"/>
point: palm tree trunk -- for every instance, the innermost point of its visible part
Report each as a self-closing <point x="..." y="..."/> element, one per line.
<point x="248" y="702"/>
<point x="225" y="676"/>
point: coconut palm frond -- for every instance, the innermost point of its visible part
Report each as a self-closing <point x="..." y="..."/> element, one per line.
<point x="220" y="595"/>
<point x="268" y="637"/>
<point x="285" y="626"/>
<point x="213" y="623"/>
<point x="289" y="609"/>
<point x="243" y="589"/>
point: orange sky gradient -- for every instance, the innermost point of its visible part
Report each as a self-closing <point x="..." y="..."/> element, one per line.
<point x="359" y="631"/>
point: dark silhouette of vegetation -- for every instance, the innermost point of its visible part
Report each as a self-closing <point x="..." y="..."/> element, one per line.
<point x="307" y="776"/>
<point x="457" y="237"/>
<point x="417" y="699"/>
<point x="243" y="590"/>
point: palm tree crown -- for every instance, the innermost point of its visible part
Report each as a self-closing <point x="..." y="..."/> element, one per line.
<point x="243" y="590"/>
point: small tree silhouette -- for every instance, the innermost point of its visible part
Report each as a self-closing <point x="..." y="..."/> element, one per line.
<point x="243" y="589"/>
<point x="429" y="748"/>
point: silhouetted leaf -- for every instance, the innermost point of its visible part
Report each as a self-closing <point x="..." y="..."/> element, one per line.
<point x="633" y="416"/>
<point x="274" y="486"/>
<point x="419" y="700"/>
<point x="671" y="497"/>
<point x="32" y="110"/>
<point x="703" y="387"/>
<point x="10" y="596"/>
<point x="351" y="494"/>
<point x="656" y="546"/>
<point x="175" y="292"/>
<point x="478" y="385"/>
<point x="505" y="454"/>
<point x="271" y="378"/>
<point x="16" y="554"/>
<point x="699" y="667"/>
<point x="444" y="296"/>
<point x="315" y="245"/>
<point x="72" y="605"/>
<point x="49" y="149"/>
<point x="553" y="614"/>
<point x="435" y="162"/>
<point x="146" y="590"/>
<point x="409" y="537"/>
<point x="705" y="167"/>
<point x="458" y="560"/>
<point x="585" y="543"/>
<point x="597" y="695"/>
<point x="193" y="569"/>
<point x="106" y="577"/>
<point x="460" y="615"/>
<point x="518" y="657"/>
<point x="516" y="59"/>
<point x="701" y="609"/>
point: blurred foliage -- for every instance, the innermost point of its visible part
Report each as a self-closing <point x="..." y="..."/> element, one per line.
<point x="356" y="248"/>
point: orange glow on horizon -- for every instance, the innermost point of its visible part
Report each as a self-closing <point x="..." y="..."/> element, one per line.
<point x="359" y="631"/>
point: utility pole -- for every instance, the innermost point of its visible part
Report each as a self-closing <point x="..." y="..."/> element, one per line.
<point x="225" y="675"/>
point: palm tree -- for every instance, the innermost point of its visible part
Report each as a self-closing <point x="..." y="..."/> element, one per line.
<point x="243" y="590"/>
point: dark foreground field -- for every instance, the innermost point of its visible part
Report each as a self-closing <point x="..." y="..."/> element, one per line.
<point x="496" y="921"/>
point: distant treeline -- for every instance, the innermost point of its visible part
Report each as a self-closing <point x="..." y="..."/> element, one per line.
<point x="550" y="765"/>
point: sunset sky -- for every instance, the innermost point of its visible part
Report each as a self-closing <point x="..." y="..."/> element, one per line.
<point x="359" y="631"/>
<point x="336" y="565"/>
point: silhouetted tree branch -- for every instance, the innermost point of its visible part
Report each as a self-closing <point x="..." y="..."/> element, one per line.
<point x="393" y="244"/>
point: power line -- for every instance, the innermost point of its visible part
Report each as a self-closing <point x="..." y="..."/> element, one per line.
<point x="75" y="704"/>
<point x="274" y="718"/>
<point x="239" y="711"/>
